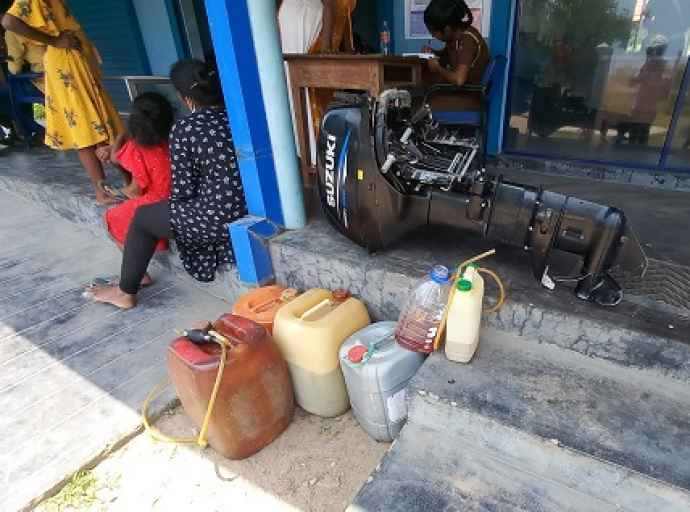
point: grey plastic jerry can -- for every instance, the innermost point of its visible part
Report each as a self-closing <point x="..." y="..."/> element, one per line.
<point x="377" y="371"/>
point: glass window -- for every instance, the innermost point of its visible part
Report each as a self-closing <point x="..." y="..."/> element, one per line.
<point x="597" y="79"/>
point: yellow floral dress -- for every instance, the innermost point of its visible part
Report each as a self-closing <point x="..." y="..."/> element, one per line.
<point x="79" y="112"/>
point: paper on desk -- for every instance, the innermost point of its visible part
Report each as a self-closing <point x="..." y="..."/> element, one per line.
<point x="420" y="55"/>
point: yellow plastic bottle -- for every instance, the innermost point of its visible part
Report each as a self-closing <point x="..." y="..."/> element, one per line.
<point x="464" y="318"/>
<point x="309" y="331"/>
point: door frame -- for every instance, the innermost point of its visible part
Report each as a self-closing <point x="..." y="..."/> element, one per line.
<point x="677" y="111"/>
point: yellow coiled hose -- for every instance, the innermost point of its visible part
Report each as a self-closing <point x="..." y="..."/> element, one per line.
<point x="201" y="439"/>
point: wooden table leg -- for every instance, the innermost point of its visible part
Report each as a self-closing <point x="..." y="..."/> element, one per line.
<point x="299" y="99"/>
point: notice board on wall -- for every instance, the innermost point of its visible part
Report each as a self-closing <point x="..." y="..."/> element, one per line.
<point x="414" y="17"/>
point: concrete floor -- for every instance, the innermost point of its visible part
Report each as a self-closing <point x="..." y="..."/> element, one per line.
<point x="73" y="374"/>
<point x="59" y="184"/>
<point x="316" y="465"/>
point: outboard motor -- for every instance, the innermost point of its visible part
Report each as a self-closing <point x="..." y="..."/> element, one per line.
<point x="384" y="171"/>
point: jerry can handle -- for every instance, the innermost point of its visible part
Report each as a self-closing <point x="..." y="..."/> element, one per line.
<point x="262" y="306"/>
<point x="314" y="309"/>
<point x="372" y="348"/>
<point x="287" y="295"/>
<point x="232" y="338"/>
<point x="374" y="345"/>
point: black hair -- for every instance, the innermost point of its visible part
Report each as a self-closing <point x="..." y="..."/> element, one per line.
<point x="151" y="119"/>
<point x="447" y="13"/>
<point x="198" y="81"/>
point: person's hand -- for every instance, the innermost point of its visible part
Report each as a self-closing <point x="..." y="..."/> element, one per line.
<point x="67" y="40"/>
<point x="427" y="49"/>
<point x="434" y="65"/>
<point x="104" y="154"/>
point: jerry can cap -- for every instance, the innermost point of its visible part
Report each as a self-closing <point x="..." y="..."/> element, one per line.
<point x="289" y="294"/>
<point x="464" y="285"/>
<point x="356" y="354"/>
<point x="340" y="295"/>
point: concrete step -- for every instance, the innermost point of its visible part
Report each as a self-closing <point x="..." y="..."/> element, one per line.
<point x="528" y="426"/>
<point x="58" y="185"/>
<point x="633" y="334"/>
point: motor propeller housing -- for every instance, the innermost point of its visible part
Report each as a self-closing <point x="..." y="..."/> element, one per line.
<point x="385" y="170"/>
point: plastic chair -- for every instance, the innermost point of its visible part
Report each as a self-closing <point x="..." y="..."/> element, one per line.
<point x="471" y="118"/>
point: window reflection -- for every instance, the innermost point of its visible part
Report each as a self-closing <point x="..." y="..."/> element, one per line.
<point x="597" y="79"/>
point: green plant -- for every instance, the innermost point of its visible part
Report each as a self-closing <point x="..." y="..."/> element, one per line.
<point x="580" y="23"/>
<point x="39" y="111"/>
<point x="79" y="493"/>
<point x="588" y="23"/>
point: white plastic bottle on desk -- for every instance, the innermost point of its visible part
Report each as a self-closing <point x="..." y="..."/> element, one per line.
<point x="385" y="38"/>
<point x="464" y="318"/>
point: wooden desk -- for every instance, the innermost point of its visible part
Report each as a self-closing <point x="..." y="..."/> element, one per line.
<point x="371" y="73"/>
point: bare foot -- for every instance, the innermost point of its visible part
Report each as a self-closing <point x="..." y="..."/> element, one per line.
<point x="111" y="295"/>
<point x="104" y="198"/>
<point x="146" y="281"/>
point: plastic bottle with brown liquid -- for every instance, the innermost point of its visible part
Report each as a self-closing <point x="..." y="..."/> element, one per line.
<point x="420" y="318"/>
<point x="262" y="304"/>
<point x="255" y="401"/>
<point x="309" y="331"/>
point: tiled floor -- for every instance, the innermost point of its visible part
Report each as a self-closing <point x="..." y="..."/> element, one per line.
<point x="57" y="182"/>
<point x="73" y="374"/>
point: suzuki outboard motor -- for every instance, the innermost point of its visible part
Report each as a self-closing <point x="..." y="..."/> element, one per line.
<point x="384" y="171"/>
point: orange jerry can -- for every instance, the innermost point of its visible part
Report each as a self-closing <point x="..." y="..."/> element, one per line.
<point x="262" y="304"/>
<point x="255" y="401"/>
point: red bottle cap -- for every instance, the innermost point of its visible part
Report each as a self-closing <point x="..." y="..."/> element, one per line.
<point x="356" y="354"/>
<point x="340" y="295"/>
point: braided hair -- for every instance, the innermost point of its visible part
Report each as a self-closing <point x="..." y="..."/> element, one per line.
<point x="447" y="13"/>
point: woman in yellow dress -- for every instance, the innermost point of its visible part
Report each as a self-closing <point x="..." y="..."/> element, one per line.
<point x="79" y="112"/>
